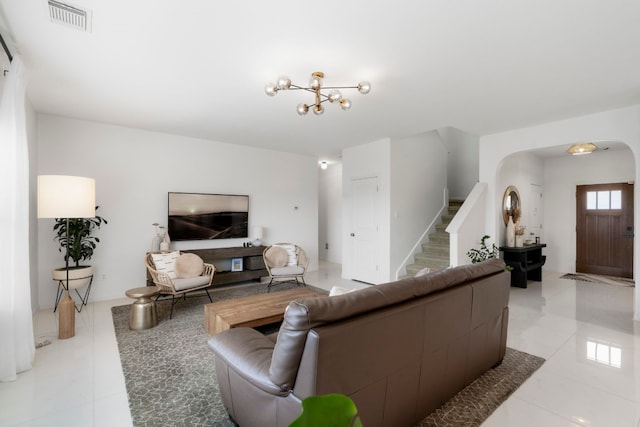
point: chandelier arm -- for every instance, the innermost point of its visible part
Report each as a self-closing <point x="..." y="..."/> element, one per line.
<point x="294" y="87"/>
<point x="339" y="87"/>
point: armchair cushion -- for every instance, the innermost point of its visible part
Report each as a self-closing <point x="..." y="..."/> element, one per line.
<point x="191" y="282"/>
<point x="249" y="354"/>
<point x="189" y="265"/>
<point x="286" y="271"/>
<point x="166" y="263"/>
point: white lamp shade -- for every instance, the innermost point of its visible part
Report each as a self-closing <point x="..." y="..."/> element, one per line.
<point x="256" y="232"/>
<point x="61" y="196"/>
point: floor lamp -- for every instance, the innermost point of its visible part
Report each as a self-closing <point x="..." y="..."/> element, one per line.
<point x="61" y="196"/>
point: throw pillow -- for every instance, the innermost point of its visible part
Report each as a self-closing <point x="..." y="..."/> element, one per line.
<point x="189" y="265"/>
<point x="291" y="252"/>
<point x="277" y="256"/>
<point x="422" y="272"/>
<point x="166" y="262"/>
<point x="338" y="290"/>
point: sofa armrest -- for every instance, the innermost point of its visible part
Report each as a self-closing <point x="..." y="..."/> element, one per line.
<point x="248" y="353"/>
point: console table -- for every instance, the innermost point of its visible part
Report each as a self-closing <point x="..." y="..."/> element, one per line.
<point x="526" y="262"/>
<point x="252" y="263"/>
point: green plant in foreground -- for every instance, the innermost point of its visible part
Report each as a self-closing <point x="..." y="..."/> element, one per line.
<point x="329" y="410"/>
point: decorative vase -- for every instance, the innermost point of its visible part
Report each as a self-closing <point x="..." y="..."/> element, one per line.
<point x="155" y="243"/>
<point x="519" y="240"/>
<point x="164" y="245"/>
<point x="511" y="233"/>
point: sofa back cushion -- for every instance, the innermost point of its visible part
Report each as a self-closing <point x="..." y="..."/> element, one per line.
<point x="303" y="315"/>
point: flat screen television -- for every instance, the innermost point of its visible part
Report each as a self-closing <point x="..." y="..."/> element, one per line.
<point x="199" y="216"/>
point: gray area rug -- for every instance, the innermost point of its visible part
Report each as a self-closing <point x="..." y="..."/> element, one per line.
<point x="170" y="376"/>
<point x="594" y="278"/>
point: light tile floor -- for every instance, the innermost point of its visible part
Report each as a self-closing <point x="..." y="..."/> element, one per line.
<point x="584" y="330"/>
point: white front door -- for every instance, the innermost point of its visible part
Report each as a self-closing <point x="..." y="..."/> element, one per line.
<point x="365" y="233"/>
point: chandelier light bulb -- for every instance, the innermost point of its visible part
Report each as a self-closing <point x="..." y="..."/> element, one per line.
<point x="315" y="82"/>
<point x="335" y="95"/>
<point x="364" y="87"/>
<point x="318" y="109"/>
<point x="271" y="89"/>
<point x="302" y="109"/>
<point x="323" y="165"/>
<point x="284" y="82"/>
<point x="345" y="104"/>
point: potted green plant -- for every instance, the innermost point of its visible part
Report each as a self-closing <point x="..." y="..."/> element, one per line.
<point x="78" y="233"/>
<point x="485" y="252"/>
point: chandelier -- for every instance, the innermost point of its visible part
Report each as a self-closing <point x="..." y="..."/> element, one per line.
<point x="315" y="86"/>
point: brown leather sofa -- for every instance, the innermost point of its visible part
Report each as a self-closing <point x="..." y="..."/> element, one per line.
<point x="399" y="349"/>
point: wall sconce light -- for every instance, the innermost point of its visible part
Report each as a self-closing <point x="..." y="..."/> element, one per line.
<point x="324" y="165"/>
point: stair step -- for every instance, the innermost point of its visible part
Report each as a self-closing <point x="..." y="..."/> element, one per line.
<point x="440" y="228"/>
<point x="434" y="250"/>
<point x="431" y="257"/>
<point x="447" y="218"/>
<point x="452" y="210"/>
<point x="440" y="238"/>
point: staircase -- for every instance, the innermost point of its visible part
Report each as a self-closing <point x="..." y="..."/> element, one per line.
<point x="435" y="253"/>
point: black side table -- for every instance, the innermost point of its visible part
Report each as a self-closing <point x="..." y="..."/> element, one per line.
<point x="526" y="262"/>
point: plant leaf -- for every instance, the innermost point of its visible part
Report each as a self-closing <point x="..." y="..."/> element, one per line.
<point x="329" y="410"/>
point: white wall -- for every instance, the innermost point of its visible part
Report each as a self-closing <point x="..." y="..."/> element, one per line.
<point x="520" y="170"/>
<point x="330" y="213"/>
<point x="462" y="161"/>
<point x="418" y="183"/>
<point x="561" y="176"/>
<point x="134" y="169"/>
<point x="621" y="124"/>
<point x="412" y="179"/>
<point x="366" y="161"/>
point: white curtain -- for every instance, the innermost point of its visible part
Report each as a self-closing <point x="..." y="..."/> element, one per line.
<point x="17" y="344"/>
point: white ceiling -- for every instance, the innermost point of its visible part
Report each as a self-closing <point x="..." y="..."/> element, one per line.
<point x="198" y="67"/>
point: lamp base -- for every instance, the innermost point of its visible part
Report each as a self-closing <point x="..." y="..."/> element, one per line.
<point x="66" y="317"/>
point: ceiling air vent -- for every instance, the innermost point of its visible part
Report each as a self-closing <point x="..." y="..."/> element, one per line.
<point x="70" y="16"/>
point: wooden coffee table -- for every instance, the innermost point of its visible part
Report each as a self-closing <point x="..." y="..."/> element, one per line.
<point x="251" y="311"/>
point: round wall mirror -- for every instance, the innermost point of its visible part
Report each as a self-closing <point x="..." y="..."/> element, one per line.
<point x="511" y="205"/>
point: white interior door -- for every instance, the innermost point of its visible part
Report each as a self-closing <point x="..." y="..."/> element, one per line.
<point x="535" y="211"/>
<point x="365" y="233"/>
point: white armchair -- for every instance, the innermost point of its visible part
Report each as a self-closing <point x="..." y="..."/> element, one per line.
<point x="177" y="273"/>
<point x="285" y="262"/>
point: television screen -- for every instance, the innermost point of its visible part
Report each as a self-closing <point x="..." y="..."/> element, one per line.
<point x="197" y="216"/>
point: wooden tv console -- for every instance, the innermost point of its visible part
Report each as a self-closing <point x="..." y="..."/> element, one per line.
<point x="252" y="263"/>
